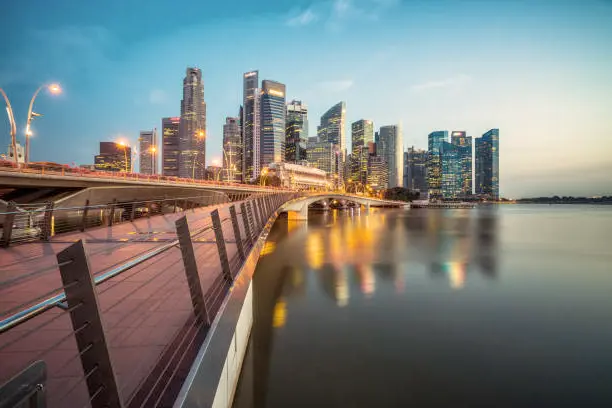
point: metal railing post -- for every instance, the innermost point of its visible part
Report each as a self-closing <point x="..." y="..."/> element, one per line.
<point x="174" y="209"/>
<point x="256" y="221"/>
<point x="252" y="226"/>
<point x="47" y="222"/>
<point x="245" y="222"/>
<point x="218" y="228"/>
<point x="84" y="310"/>
<point x="261" y="212"/>
<point x="191" y="268"/>
<point x="111" y="215"/>
<point x="84" y="217"/>
<point x="7" y="226"/>
<point x="237" y="236"/>
<point x="132" y="211"/>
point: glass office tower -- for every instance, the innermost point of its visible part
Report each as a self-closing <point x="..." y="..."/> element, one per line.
<point x="272" y="137"/>
<point x="434" y="163"/>
<point x="487" y="165"/>
<point x="362" y="133"/>
<point x="296" y="131"/>
<point x="464" y="149"/>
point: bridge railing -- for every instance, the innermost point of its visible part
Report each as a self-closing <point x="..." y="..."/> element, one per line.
<point x="126" y="335"/>
<point x="65" y="170"/>
<point x="40" y="222"/>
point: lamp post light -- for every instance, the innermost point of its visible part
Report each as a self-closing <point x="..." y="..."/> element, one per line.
<point x="9" y="111"/>
<point x="125" y="146"/>
<point x="264" y="173"/>
<point x="200" y="134"/>
<point x="153" y="150"/>
<point x="53" y="89"/>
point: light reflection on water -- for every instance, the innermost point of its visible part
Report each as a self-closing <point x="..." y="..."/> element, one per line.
<point x="479" y="307"/>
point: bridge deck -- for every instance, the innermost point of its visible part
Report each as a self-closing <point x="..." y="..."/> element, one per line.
<point x="143" y="309"/>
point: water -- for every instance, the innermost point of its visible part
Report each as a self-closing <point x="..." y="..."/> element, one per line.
<point x="507" y="306"/>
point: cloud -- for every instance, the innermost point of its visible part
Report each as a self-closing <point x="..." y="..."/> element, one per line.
<point x="343" y="11"/>
<point x="304" y="18"/>
<point x="336" y="86"/>
<point x="157" y="96"/>
<point x="452" y="82"/>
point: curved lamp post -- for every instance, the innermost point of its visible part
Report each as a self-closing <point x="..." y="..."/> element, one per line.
<point x="125" y="146"/>
<point x="9" y="110"/>
<point x="54" y="89"/>
<point x="201" y="135"/>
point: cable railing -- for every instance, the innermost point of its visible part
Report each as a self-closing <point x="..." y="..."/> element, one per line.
<point x="65" y="171"/>
<point x="126" y="336"/>
<point x="40" y="222"/>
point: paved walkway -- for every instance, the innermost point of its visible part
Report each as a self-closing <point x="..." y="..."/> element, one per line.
<point x="142" y="309"/>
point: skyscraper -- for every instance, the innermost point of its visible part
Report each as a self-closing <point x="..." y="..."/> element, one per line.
<point x="250" y="125"/>
<point x="272" y="138"/>
<point x="487" y="164"/>
<point x="415" y="170"/>
<point x="464" y="149"/>
<point x="378" y="168"/>
<point x="192" y="129"/>
<point x="321" y="155"/>
<point x="362" y="133"/>
<point x="114" y="156"/>
<point x="332" y="130"/>
<point x="434" y="163"/>
<point x="391" y="145"/>
<point x="170" y="146"/>
<point x="232" y="151"/>
<point x="451" y="171"/>
<point x="148" y="151"/>
<point x="296" y="131"/>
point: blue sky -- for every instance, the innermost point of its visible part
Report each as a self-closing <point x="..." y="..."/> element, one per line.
<point x="540" y="71"/>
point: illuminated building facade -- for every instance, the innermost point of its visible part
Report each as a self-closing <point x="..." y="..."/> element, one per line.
<point x="451" y="171"/>
<point x="299" y="177"/>
<point x="272" y="138"/>
<point x="464" y="150"/>
<point x="378" y="173"/>
<point x="362" y="133"/>
<point x="148" y="152"/>
<point x="250" y="125"/>
<point x="390" y="146"/>
<point x="321" y="155"/>
<point x="415" y="169"/>
<point x="296" y="132"/>
<point x="487" y="164"/>
<point x="192" y="129"/>
<point x="170" y="146"/>
<point x="434" y="163"/>
<point x="232" y="151"/>
<point x="332" y="130"/>
<point x="114" y="157"/>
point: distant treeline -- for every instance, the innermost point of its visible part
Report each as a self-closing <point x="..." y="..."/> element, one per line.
<point x="567" y="200"/>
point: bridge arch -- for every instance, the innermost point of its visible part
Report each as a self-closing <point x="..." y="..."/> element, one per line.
<point x="298" y="208"/>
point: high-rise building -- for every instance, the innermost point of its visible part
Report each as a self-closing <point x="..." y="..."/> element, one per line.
<point x="272" y="138"/>
<point x="296" y="132"/>
<point x="170" y="146"/>
<point x="250" y="125"/>
<point x="487" y="164"/>
<point x="378" y="168"/>
<point x="332" y="130"/>
<point x="114" y="157"/>
<point x="192" y="129"/>
<point x="362" y="133"/>
<point x="232" y="151"/>
<point x="391" y="146"/>
<point x="451" y="171"/>
<point x="415" y="170"/>
<point x="148" y="151"/>
<point x="321" y="155"/>
<point x="434" y="163"/>
<point x="464" y="148"/>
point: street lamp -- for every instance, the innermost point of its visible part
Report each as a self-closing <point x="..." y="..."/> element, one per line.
<point x="9" y="111"/>
<point x="200" y="134"/>
<point x="264" y="173"/>
<point x="153" y="160"/>
<point x="125" y="146"/>
<point x="53" y="89"/>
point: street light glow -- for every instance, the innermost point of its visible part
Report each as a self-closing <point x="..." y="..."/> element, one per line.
<point x="55" y="89"/>
<point x="216" y="162"/>
<point x="153" y="149"/>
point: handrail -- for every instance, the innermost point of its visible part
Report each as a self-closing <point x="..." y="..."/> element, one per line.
<point x="33" y="311"/>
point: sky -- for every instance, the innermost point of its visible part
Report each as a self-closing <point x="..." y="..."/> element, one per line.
<point x="540" y="71"/>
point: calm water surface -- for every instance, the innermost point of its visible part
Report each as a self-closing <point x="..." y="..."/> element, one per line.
<point x="507" y="306"/>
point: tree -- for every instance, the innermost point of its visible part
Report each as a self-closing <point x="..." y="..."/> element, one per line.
<point x="401" y="194"/>
<point x="268" y="180"/>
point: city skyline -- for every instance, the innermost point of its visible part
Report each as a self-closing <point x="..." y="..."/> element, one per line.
<point x="548" y="85"/>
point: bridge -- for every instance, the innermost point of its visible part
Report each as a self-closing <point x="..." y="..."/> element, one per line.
<point x="132" y="304"/>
